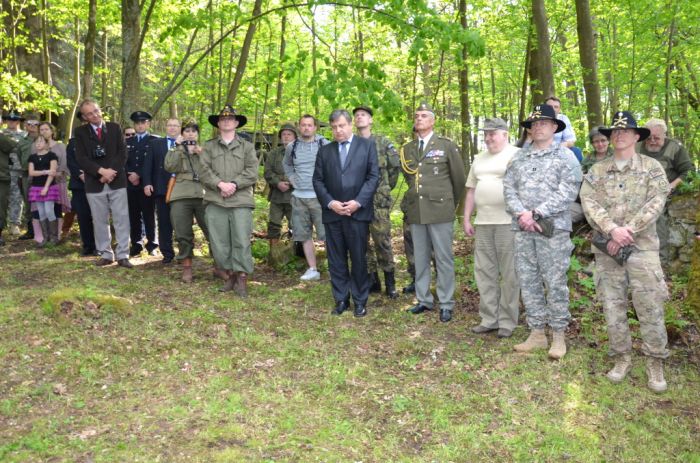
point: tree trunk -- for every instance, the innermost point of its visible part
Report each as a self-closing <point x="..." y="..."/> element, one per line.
<point x="523" y="88"/>
<point x="588" y="54"/>
<point x="243" y="58"/>
<point x="131" y="59"/>
<point x="105" y="65"/>
<point x="543" y="57"/>
<point x="669" y="67"/>
<point x="76" y="75"/>
<point x="464" y="115"/>
<point x="90" y="40"/>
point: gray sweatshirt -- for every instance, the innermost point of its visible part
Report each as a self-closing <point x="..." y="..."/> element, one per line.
<point x="299" y="168"/>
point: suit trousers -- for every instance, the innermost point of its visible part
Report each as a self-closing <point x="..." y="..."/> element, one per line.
<point x="142" y="218"/>
<point x="230" y="229"/>
<point x="101" y="204"/>
<point x="494" y="271"/>
<point x="79" y="204"/>
<point x="348" y="237"/>
<point x="182" y="211"/>
<point x="437" y="238"/>
<point x="165" y="228"/>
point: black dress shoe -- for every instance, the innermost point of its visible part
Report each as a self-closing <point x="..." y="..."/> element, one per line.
<point x="87" y="252"/>
<point x="167" y="260"/>
<point x="151" y="252"/>
<point x="410" y="289"/>
<point x="419" y="308"/>
<point x="125" y="263"/>
<point x="445" y="315"/>
<point x="133" y="252"/>
<point x="340" y="307"/>
<point x="360" y="311"/>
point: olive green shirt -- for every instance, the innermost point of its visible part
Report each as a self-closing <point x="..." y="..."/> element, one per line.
<point x="7" y="145"/>
<point x="186" y="167"/>
<point x="234" y="162"/>
<point x="274" y="173"/>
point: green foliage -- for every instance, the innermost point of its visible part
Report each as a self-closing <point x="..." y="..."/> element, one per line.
<point x="691" y="183"/>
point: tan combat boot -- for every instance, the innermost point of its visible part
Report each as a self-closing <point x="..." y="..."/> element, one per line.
<point x="655" y="375"/>
<point x="187" y="270"/>
<point x="558" y="349"/>
<point x="623" y="365"/>
<point x="536" y="340"/>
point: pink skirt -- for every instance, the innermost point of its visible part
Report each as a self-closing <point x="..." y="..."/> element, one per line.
<point x="54" y="194"/>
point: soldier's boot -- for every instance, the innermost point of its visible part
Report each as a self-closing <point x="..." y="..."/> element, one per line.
<point x="29" y="235"/>
<point x="623" y="365"/>
<point x="219" y="273"/>
<point x="44" y="224"/>
<point x="375" y="286"/>
<point x="390" y="283"/>
<point x="231" y="279"/>
<point x="536" y="340"/>
<point x="187" y="270"/>
<point x="558" y="349"/>
<point x="53" y="232"/>
<point x="655" y="375"/>
<point x="241" y="286"/>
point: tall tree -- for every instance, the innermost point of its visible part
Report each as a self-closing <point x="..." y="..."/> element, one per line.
<point x="588" y="53"/>
<point x="90" y="40"/>
<point x="245" y="51"/>
<point x="542" y="62"/>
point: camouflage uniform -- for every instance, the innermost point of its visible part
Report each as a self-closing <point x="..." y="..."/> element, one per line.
<point x="280" y="205"/>
<point x="379" y="249"/>
<point x="634" y="197"/>
<point x="547" y="181"/>
<point x="16" y="176"/>
<point x="408" y="241"/>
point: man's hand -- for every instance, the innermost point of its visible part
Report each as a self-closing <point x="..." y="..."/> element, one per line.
<point x="623" y="236"/>
<point x="337" y="207"/>
<point x="613" y="248"/>
<point x="351" y="207"/>
<point x="148" y="190"/>
<point x="134" y="178"/>
<point x="283" y="186"/>
<point x="468" y="227"/>
<point x="107" y="175"/>
<point x="527" y="223"/>
<point x="227" y="189"/>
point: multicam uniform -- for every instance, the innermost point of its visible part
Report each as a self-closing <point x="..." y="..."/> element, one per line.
<point x="17" y="174"/>
<point x="379" y="250"/>
<point x="547" y="181"/>
<point x="633" y="196"/>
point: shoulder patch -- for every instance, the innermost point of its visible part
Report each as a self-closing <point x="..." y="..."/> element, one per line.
<point x="656" y="172"/>
<point x="590" y="178"/>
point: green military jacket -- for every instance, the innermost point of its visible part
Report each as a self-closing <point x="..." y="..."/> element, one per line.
<point x="187" y="168"/>
<point x="235" y="162"/>
<point x="274" y="173"/>
<point x="436" y="181"/>
<point x="389" y="169"/>
<point x="673" y="157"/>
<point x="24" y="150"/>
<point x="7" y="145"/>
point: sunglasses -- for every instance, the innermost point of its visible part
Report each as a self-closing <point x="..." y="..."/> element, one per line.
<point x="129" y="134"/>
<point x="32" y="123"/>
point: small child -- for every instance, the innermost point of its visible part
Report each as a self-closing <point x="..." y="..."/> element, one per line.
<point x="44" y="191"/>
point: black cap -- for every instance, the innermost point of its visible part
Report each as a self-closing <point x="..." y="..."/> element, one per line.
<point x="366" y="109"/>
<point x="543" y="112"/>
<point x="625" y="120"/>
<point x="140" y="116"/>
<point x="13" y="115"/>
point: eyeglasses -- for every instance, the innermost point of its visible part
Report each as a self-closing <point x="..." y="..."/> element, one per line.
<point x="129" y="134"/>
<point x="32" y="123"/>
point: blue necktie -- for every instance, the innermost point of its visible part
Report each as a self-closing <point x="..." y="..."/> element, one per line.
<point x="343" y="153"/>
<point x="171" y="143"/>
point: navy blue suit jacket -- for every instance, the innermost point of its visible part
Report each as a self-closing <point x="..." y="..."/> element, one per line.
<point x="357" y="180"/>
<point x="138" y="153"/>
<point x="154" y="173"/>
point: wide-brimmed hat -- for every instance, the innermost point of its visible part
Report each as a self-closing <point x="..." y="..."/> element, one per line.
<point x="228" y="111"/>
<point x="625" y="120"/>
<point x="13" y="115"/>
<point x="288" y="126"/>
<point x="494" y="123"/>
<point x="543" y="112"/>
<point x="366" y="109"/>
<point x="140" y="116"/>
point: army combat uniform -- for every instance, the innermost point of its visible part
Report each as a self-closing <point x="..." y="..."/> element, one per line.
<point x="379" y="253"/>
<point x="547" y="181"/>
<point x="17" y="177"/>
<point x="633" y="196"/>
<point x="436" y="181"/>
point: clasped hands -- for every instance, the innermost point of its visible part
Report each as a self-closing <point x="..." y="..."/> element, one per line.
<point x="619" y="238"/>
<point x="107" y="175"/>
<point x="344" y="208"/>
<point x="227" y="189"/>
<point x="527" y="222"/>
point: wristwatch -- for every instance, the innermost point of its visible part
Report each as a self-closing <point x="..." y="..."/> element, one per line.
<point x="536" y="215"/>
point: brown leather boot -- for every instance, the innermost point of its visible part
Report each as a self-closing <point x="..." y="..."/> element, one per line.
<point x="230" y="281"/>
<point x="219" y="273"/>
<point x="187" y="270"/>
<point x="68" y="219"/>
<point x="241" y="287"/>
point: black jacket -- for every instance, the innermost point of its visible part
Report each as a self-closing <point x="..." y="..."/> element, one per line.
<point x="115" y="155"/>
<point x="154" y="173"/>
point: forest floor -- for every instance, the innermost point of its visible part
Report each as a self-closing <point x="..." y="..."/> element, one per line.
<point x="115" y="365"/>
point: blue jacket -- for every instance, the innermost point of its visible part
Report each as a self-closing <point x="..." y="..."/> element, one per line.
<point x="154" y="173"/>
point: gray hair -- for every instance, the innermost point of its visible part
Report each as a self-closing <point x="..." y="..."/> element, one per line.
<point x="338" y="113"/>
<point x="594" y="133"/>
<point x="654" y="122"/>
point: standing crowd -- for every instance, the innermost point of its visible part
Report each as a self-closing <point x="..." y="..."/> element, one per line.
<point x="147" y="188"/>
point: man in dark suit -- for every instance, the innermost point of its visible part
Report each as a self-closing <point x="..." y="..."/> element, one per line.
<point x="345" y="179"/>
<point x="142" y="213"/>
<point x="101" y="154"/>
<point x="155" y="181"/>
<point x="78" y="201"/>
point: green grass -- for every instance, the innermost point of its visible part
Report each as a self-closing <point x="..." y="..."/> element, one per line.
<point x="110" y="365"/>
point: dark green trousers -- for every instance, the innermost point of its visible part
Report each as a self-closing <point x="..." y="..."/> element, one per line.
<point x="182" y="213"/>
